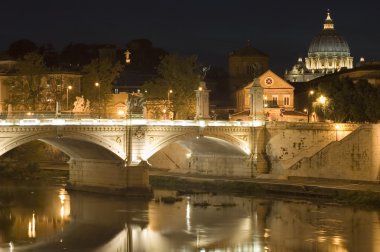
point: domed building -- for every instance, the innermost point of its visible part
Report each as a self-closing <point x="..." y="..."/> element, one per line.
<point x="328" y="53"/>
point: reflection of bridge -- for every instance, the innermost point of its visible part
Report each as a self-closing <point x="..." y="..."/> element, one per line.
<point x="105" y="153"/>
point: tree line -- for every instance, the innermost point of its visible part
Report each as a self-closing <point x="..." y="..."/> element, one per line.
<point x="100" y="64"/>
<point x="349" y="100"/>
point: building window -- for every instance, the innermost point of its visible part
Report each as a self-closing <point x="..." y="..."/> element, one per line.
<point x="275" y="99"/>
<point x="286" y="100"/>
<point x="116" y="91"/>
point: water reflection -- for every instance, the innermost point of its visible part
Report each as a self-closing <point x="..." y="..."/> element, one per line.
<point x="50" y="219"/>
<point x="29" y="213"/>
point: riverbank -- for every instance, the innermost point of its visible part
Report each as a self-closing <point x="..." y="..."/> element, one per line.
<point x="339" y="191"/>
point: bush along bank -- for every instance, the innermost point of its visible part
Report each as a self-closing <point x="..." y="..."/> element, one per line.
<point x="18" y="170"/>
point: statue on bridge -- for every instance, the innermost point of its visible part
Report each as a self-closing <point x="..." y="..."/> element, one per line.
<point x="204" y="71"/>
<point x="135" y="105"/>
<point x="81" y="105"/>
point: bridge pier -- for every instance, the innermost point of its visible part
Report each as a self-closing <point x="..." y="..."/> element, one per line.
<point x="108" y="176"/>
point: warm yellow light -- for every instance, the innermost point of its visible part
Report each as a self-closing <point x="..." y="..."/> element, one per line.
<point x="32" y="227"/>
<point x="164" y="111"/>
<point x="305" y="110"/>
<point x="322" y="100"/>
<point x="70" y="87"/>
<point x="62" y="212"/>
<point x="311" y="92"/>
<point x="62" y="198"/>
<point x="121" y="112"/>
<point x="97" y="84"/>
<point x="188" y="155"/>
<point x="170" y="91"/>
<point x="200" y="88"/>
<point x="337" y="127"/>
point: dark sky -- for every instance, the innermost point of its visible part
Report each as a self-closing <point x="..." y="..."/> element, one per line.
<point x="211" y="29"/>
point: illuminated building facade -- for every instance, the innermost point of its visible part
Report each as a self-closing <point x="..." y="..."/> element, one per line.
<point x="278" y="99"/>
<point x="328" y="53"/>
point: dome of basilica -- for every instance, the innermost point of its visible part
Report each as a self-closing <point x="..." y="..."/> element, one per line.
<point x="328" y="42"/>
<point x="328" y="53"/>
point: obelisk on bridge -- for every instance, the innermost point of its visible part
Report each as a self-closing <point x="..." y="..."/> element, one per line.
<point x="202" y="105"/>
<point x="257" y="101"/>
<point x="202" y="94"/>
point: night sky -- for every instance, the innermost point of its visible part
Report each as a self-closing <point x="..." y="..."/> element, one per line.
<point x="210" y="29"/>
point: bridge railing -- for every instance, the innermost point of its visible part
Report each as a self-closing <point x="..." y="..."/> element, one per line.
<point x="91" y="121"/>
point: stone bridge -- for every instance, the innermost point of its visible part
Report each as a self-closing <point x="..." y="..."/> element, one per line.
<point x="107" y="153"/>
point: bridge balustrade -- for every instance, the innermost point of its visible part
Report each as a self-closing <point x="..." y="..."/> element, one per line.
<point x="91" y="121"/>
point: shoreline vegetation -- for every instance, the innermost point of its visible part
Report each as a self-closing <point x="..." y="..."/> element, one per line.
<point x="32" y="171"/>
<point x="32" y="161"/>
<point x="365" y="198"/>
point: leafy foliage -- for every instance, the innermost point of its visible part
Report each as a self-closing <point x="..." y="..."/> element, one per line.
<point x="103" y="71"/>
<point x="181" y="75"/>
<point x="144" y="56"/>
<point x="20" y="48"/>
<point x="26" y="87"/>
<point x="351" y="101"/>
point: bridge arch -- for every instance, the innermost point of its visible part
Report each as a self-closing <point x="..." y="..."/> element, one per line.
<point x="74" y="144"/>
<point x="153" y="146"/>
<point x="208" y="154"/>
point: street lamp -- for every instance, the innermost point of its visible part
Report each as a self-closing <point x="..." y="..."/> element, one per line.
<point x="67" y="96"/>
<point x="306" y="111"/>
<point x="322" y="100"/>
<point x="169" y="92"/>
<point x="97" y="84"/>
<point x="309" y="105"/>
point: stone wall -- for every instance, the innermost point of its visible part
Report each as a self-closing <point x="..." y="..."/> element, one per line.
<point x="97" y="173"/>
<point x="219" y="165"/>
<point x="107" y="174"/>
<point x="288" y="143"/>
<point x="355" y="157"/>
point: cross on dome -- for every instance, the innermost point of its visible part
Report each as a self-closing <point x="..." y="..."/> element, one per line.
<point x="328" y="22"/>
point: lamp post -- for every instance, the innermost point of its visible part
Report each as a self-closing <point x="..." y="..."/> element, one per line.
<point x="309" y="105"/>
<point x="307" y="113"/>
<point x="323" y="100"/>
<point x="67" y="96"/>
<point x="97" y="84"/>
<point x="169" y="92"/>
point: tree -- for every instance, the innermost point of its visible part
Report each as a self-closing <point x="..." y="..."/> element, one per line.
<point x="103" y="71"/>
<point x="20" y="48"/>
<point x="26" y="87"/>
<point x="181" y="75"/>
<point x="143" y="55"/>
<point x="351" y="101"/>
<point x="75" y="56"/>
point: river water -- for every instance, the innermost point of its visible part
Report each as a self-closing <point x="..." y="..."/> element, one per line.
<point x="48" y="218"/>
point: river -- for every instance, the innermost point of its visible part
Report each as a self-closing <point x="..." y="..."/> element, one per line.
<point x="45" y="217"/>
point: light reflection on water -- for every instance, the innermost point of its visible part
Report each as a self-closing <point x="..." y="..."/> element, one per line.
<point x="50" y="219"/>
